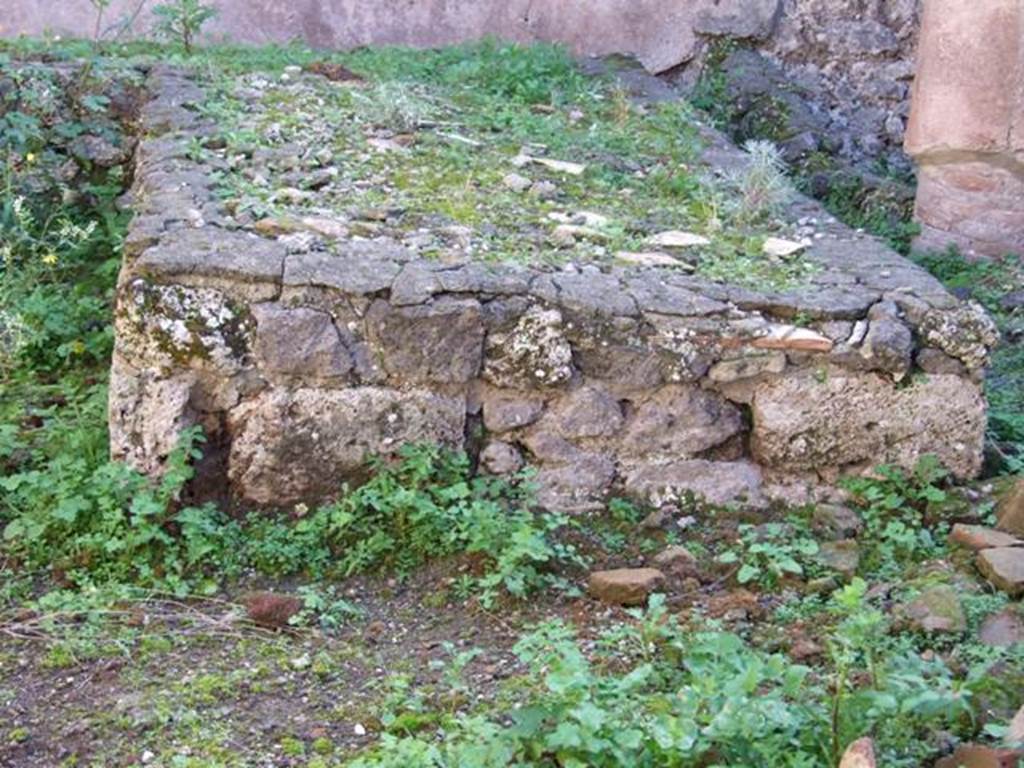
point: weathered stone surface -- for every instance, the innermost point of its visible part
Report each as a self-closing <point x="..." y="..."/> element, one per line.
<point x="1010" y="511"/>
<point x="888" y="346"/>
<point x="504" y="410"/>
<point x="175" y="326"/>
<point x="90" y="149"/>
<point x="365" y="270"/>
<point x="678" y="421"/>
<point x="728" y="371"/>
<point x="587" y="412"/>
<point x="936" y="609"/>
<point x="208" y="252"/>
<point x="978" y="537"/>
<point x="806" y="422"/>
<point x="1004" y="568"/>
<point x="842" y="556"/>
<point x="500" y="458"/>
<point x="933" y="361"/>
<point x="860" y="754"/>
<point x="295" y="445"/>
<point x="708" y="481"/>
<point x="439" y="342"/>
<point x="626" y="586"/>
<point x="582" y="485"/>
<point x="146" y="414"/>
<point x="974" y="206"/>
<point x="299" y="342"/>
<point x="588" y="293"/>
<point x="533" y="353"/>
<point x="965" y="333"/>
<point x="676" y="560"/>
<point x="623" y="367"/>
<point x="1003" y="629"/>
<point x="602" y="374"/>
<point x="980" y="756"/>
<point x="837" y="521"/>
<point x="653" y="294"/>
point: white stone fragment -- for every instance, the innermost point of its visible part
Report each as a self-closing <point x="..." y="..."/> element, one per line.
<point x="560" y="166"/>
<point x="586" y="218"/>
<point x="675" y="238"/>
<point x="779" y="248"/>
<point x="651" y="259"/>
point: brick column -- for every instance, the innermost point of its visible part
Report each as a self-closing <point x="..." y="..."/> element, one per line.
<point x="966" y="129"/>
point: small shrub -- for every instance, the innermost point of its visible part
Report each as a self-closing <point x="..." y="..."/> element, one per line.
<point x="517" y="73"/>
<point x="181" y="21"/>
<point x="399" y="106"/>
<point x="96" y="523"/>
<point x="768" y="553"/>
<point x="898" y="510"/>
<point x="762" y="187"/>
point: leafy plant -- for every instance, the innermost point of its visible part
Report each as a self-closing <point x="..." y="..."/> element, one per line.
<point x="399" y="106"/>
<point x="896" y="509"/>
<point x="427" y="504"/>
<point x="768" y="553"/>
<point x="181" y="21"/>
<point x="323" y="607"/>
<point x="651" y="693"/>
<point x="98" y="523"/>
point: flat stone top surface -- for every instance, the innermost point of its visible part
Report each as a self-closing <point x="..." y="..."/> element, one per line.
<point x="414" y="188"/>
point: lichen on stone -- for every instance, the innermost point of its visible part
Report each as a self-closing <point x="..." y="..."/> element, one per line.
<point x="174" y="325"/>
<point x="965" y="332"/>
<point x="533" y="353"/>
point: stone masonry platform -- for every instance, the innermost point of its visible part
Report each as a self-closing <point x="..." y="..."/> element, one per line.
<point x="608" y="378"/>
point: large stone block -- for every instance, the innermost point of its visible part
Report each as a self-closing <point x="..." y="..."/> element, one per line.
<point x="712" y="482"/>
<point x="680" y="421"/>
<point x="299" y="342"/>
<point x="809" y="422"/>
<point x="440" y="342"/>
<point x="969" y="65"/>
<point x="302" y="444"/>
<point x="533" y="353"/>
<point x="974" y="205"/>
<point x="177" y="326"/>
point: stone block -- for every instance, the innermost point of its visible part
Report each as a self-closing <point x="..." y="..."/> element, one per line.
<point x="298" y="445"/>
<point x="707" y="481"/>
<point x="808" y="422"/>
<point x="299" y="343"/>
<point x="440" y="342"/>
<point x="626" y="586"/>
<point x="679" y="421"/>
<point x="533" y="353"/>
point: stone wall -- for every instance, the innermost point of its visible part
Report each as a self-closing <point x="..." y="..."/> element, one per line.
<point x="833" y="78"/>
<point x="661" y="33"/>
<point x="849" y="61"/>
<point x="641" y="380"/>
